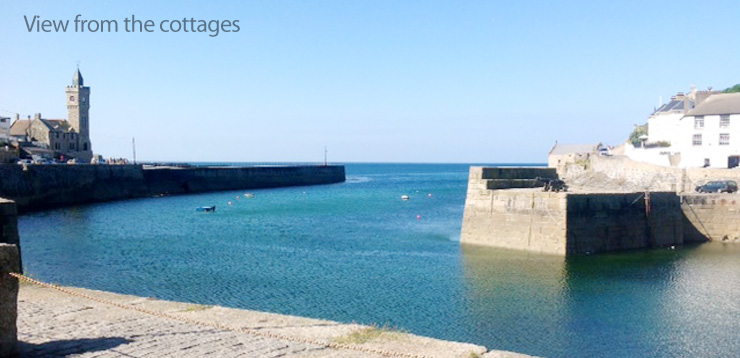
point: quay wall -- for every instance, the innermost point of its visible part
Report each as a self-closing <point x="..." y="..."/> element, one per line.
<point x="526" y="219"/>
<point x="10" y="261"/>
<point x="598" y="222"/>
<point x="516" y="219"/>
<point x="582" y="223"/>
<point x="38" y="187"/>
<point x="711" y="217"/>
<point x="649" y="176"/>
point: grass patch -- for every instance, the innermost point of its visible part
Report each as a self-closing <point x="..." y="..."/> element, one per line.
<point x="195" y="308"/>
<point x="367" y="334"/>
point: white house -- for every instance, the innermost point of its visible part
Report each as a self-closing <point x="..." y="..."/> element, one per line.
<point x="700" y="129"/>
<point x="663" y="123"/>
<point x="709" y="135"/>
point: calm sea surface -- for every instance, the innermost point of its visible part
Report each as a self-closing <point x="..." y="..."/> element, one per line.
<point x="356" y="252"/>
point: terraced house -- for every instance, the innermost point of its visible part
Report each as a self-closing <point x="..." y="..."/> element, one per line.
<point x="699" y="129"/>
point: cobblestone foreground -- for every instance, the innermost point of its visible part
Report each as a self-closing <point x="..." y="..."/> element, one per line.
<point x="57" y="324"/>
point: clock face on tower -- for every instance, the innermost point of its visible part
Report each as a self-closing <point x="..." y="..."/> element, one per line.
<point x="71" y="98"/>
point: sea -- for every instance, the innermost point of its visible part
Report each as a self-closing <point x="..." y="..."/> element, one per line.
<point x="356" y="252"/>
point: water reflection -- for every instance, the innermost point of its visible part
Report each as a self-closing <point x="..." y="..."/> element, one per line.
<point x="658" y="303"/>
<point x="516" y="298"/>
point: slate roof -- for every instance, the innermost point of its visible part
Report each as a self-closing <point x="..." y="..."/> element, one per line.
<point x="724" y="103"/>
<point x="673" y="105"/>
<point x="58" y="125"/>
<point x="77" y="80"/>
<point x="560" y="149"/>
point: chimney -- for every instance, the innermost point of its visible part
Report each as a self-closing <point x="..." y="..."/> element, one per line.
<point x="17" y="116"/>
<point x="37" y="116"/>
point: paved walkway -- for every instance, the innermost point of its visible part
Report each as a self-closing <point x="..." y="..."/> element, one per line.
<point x="56" y="324"/>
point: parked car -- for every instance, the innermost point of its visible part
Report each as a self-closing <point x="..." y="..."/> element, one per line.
<point x="718" y="186"/>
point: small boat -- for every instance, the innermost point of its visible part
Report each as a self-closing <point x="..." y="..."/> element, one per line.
<point x="206" y="208"/>
<point x="249" y="195"/>
<point x="404" y="197"/>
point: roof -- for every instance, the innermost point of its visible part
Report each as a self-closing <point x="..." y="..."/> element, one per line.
<point x="20" y="127"/>
<point x="77" y="80"/>
<point x="673" y="105"/>
<point x="58" y="125"/>
<point x="560" y="149"/>
<point x="724" y="103"/>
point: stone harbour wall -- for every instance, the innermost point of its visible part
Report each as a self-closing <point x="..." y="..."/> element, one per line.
<point x="584" y="223"/>
<point x="38" y="187"/>
<point x="517" y="219"/>
<point x="650" y="176"/>
<point x="615" y="222"/>
<point x="10" y="261"/>
<point x="712" y="217"/>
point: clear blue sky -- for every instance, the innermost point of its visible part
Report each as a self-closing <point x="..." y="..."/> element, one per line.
<point x="377" y="81"/>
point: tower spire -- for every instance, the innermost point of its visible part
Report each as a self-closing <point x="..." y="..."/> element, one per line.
<point x="77" y="80"/>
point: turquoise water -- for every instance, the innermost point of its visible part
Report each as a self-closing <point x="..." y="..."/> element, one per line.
<point x="356" y="252"/>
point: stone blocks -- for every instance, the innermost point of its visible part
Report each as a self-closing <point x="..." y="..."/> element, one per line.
<point x="9" y="262"/>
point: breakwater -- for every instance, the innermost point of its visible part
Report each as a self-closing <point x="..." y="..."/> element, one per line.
<point x="578" y="223"/>
<point x="38" y="187"/>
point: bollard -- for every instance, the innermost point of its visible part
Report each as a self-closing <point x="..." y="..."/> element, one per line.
<point x="9" y="262"/>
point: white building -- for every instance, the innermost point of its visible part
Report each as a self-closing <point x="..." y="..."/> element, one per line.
<point x="663" y="123"/>
<point x="700" y="129"/>
<point x="709" y="135"/>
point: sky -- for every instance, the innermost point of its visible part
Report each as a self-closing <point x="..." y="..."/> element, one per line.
<point x="370" y="81"/>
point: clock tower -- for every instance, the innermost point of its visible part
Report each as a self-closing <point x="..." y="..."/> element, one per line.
<point x="78" y="109"/>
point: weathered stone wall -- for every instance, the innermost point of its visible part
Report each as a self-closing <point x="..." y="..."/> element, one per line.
<point x="526" y="219"/>
<point x="9" y="262"/>
<point x="714" y="217"/>
<point x="649" y="176"/>
<point x="200" y="179"/>
<point x="511" y="177"/>
<point x="9" y="224"/>
<point x="36" y="187"/>
<point x="615" y="222"/>
<point x="568" y="223"/>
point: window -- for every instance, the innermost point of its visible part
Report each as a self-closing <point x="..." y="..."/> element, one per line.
<point x="699" y="122"/>
<point x="724" y="121"/>
<point x="697" y="139"/>
<point x="724" y="139"/>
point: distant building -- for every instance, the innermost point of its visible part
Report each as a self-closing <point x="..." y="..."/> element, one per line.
<point x="663" y="123"/>
<point x="563" y="154"/>
<point x="4" y="128"/>
<point x="701" y="129"/>
<point x="709" y="135"/>
<point x="68" y="138"/>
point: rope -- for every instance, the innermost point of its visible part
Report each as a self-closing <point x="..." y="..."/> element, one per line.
<point x="221" y="327"/>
